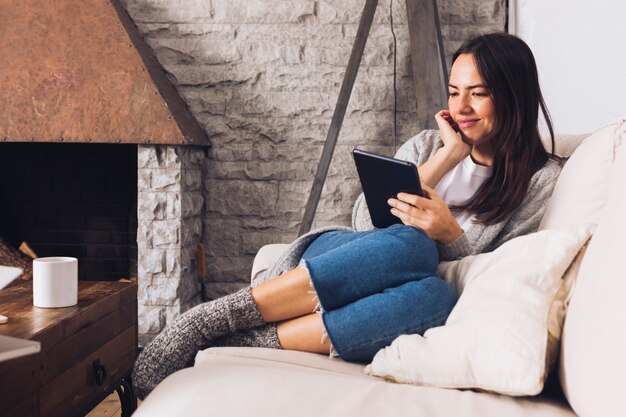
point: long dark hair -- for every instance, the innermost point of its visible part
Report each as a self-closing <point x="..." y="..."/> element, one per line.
<point x="507" y="66"/>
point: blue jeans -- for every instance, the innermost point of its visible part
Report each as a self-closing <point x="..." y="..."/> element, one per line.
<point x="376" y="285"/>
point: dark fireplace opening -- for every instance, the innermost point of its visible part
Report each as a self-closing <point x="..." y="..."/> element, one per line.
<point x="72" y="199"/>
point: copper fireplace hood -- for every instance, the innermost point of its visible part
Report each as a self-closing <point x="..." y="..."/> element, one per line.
<point x="79" y="71"/>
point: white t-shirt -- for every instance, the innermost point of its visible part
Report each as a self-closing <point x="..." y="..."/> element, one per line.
<point x="460" y="184"/>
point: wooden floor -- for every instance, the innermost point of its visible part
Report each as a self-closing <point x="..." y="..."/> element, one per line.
<point x="110" y="407"/>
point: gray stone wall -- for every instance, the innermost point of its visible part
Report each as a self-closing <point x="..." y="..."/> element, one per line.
<point x="262" y="77"/>
<point x="169" y="213"/>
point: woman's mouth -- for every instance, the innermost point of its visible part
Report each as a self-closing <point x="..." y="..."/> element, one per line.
<point x="467" y="123"/>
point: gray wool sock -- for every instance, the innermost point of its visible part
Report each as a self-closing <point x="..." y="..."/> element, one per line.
<point x="176" y="346"/>
<point x="265" y="337"/>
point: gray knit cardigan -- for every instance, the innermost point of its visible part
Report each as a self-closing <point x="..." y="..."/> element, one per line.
<point x="478" y="238"/>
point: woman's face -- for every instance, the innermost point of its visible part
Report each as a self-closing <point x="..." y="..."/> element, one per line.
<point x="470" y="103"/>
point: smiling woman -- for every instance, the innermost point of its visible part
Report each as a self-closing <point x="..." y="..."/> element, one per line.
<point x="352" y="292"/>
<point x="495" y="99"/>
<point x="471" y="108"/>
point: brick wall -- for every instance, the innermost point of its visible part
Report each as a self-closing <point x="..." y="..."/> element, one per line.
<point x="262" y="77"/>
<point x="72" y="200"/>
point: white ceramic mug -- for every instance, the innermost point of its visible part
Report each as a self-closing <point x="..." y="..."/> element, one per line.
<point x="55" y="282"/>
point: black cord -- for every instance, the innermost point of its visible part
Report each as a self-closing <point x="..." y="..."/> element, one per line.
<point x="395" y="91"/>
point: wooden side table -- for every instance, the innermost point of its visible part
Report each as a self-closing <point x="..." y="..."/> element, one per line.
<point x="87" y="351"/>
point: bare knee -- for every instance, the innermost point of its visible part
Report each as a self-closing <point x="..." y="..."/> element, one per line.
<point x="305" y="334"/>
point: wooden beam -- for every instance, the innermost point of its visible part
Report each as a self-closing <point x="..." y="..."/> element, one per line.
<point x="428" y="62"/>
<point x="340" y="110"/>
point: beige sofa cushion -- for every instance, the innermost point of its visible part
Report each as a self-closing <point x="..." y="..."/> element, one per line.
<point x="593" y="352"/>
<point x="265" y="258"/>
<point x="263" y="382"/>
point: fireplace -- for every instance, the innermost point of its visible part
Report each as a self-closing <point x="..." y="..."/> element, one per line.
<point x="72" y="200"/>
<point x="125" y="211"/>
<point x="101" y="158"/>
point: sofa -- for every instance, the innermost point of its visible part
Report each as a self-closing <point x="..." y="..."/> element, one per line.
<point x="587" y="381"/>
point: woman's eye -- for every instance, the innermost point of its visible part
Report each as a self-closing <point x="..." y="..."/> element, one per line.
<point x="453" y="93"/>
<point x="480" y="94"/>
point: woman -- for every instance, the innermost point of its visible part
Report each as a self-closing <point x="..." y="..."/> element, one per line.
<point x="350" y="293"/>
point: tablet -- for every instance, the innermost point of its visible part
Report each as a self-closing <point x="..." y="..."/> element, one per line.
<point x="383" y="177"/>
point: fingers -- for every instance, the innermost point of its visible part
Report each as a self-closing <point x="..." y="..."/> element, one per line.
<point x="403" y="216"/>
<point x="431" y="193"/>
<point x="444" y="114"/>
<point x="456" y="149"/>
<point x="406" y="212"/>
<point x="444" y="119"/>
<point x="416" y="200"/>
<point x="408" y="216"/>
<point x="411" y="208"/>
<point x="430" y="215"/>
<point x="405" y="202"/>
<point x="401" y="206"/>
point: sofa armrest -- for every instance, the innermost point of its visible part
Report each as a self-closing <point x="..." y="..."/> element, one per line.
<point x="265" y="258"/>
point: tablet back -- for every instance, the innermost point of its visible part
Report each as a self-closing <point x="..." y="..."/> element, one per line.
<point x="383" y="177"/>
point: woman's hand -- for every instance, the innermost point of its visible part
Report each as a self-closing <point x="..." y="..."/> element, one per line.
<point x="431" y="215"/>
<point x="456" y="150"/>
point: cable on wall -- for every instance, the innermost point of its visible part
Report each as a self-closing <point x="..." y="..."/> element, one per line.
<point x="395" y="91"/>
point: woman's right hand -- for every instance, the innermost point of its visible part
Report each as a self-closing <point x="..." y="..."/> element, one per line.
<point x="456" y="150"/>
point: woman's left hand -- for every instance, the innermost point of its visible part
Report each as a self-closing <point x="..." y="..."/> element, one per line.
<point x="432" y="215"/>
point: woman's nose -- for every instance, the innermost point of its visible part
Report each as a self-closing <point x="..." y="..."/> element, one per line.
<point x="463" y="105"/>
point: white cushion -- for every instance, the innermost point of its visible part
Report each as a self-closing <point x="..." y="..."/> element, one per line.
<point x="496" y="336"/>
<point x="268" y="383"/>
<point x="565" y="144"/>
<point x="593" y="352"/>
<point x="582" y="188"/>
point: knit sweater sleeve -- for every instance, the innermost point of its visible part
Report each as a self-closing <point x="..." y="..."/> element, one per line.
<point x="525" y="219"/>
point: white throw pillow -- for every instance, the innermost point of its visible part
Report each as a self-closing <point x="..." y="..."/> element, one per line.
<point x="497" y="334"/>
<point x="582" y="189"/>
